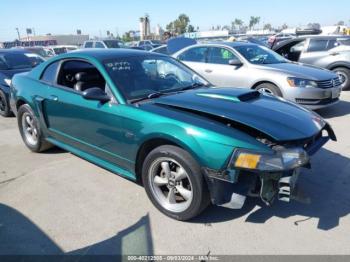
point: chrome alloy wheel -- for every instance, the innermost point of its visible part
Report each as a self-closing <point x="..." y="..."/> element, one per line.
<point x="343" y="78"/>
<point x="29" y="130"/>
<point x="266" y="90"/>
<point x="170" y="184"/>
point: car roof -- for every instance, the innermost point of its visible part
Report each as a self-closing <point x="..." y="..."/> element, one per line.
<point x="107" y="53"/>
<point x="229" y="44"/>
<point x="304" y="37"/>
<point x="13" y="51"/>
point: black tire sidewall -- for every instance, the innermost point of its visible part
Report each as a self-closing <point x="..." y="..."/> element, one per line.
<point x="7" y="111"/>
<point x="200" y="194"/>
<point x="346" y="72"/>
<point x="26" y="108"/>
<point x="276" y="91"/>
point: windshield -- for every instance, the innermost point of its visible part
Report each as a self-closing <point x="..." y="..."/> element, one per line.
<point x="14" y="61"/>
<point x="34" y="59"/>
<point x="344" y="41"/>
<point x="156" y="42"/>
<point x="260" y="55"/>
<point x="114" y="44"/>
<point x="140" y="76"/>
<point x="40" y="51"/>
<point x="59" y="50"/>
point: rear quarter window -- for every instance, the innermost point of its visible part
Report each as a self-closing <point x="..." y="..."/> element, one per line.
<point x="50" y="73"/>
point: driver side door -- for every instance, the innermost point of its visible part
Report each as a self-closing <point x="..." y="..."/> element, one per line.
<point x="221" y="73"/>
<point x="88" y="126"/>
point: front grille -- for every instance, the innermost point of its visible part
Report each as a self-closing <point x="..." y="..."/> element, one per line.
<point x="325" y="101"/>
<point x="329" y="83"/>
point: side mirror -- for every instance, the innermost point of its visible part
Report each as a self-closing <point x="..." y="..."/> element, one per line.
<point x="235" y="62"/>
<point x="96" y="93"/>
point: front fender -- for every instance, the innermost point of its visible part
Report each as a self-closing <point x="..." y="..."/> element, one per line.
<point x="205" y="146"/>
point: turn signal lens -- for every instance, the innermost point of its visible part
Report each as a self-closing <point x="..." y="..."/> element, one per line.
<point x="246" y="160"/>
<point x="285" y="159"/>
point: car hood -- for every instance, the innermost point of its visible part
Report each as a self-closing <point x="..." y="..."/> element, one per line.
<point x="301" y="71"/>
<point x="11" y="72"/>
<point x="275" y="117"/>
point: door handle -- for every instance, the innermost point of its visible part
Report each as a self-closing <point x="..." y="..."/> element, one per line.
<point x="53" y="98"/>
<point x="335" y="53"/>
<point x="208" y="70"/>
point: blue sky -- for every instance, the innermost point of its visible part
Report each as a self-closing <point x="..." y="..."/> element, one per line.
<point x="65" y="16"/>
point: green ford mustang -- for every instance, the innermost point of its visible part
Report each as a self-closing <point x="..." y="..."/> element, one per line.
<point x="150" y="118"/>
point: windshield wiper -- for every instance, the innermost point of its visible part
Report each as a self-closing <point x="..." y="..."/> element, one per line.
<point x="149" y="96"/>
<point x="193" y="86"/>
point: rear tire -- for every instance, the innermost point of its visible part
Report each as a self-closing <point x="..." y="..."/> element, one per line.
<point x="30" y="130"/>
<point x="174" y="183"/>
<point x="269" y="89"/>
<point x="344" y="73"/>
<point x="5" y="110"/>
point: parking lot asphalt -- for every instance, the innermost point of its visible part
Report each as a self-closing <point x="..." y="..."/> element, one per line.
<point x="55" y="203"/>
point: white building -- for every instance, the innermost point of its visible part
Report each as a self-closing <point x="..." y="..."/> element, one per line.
<point x="145" y="27"/>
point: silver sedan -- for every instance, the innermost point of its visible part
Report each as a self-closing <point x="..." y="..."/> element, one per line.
<point x="242" y="64"/>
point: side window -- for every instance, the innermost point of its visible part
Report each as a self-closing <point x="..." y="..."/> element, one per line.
<point x="99" y="45"/>
<point x="197" y="54"/>
<point x="218" y="55"/>
<point x="88" y="45"/>
<point x="332" y="43"/>
<point x="141" y="43"/>
<point x="317" y="45"/>
<point x="80" y="75"/>
<point x="50" y="73"/>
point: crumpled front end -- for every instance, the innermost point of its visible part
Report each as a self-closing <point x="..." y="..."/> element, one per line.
<point x="267" y="176"/>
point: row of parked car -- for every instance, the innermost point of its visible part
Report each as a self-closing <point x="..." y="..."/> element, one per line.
<point x="309" y="70"/>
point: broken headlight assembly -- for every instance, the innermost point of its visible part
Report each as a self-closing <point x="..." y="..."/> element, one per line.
<point x="281" y="160"/>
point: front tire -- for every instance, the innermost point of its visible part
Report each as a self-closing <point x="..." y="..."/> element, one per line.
<point x="344" y="74"/>
<point x="29" y="128"/>
<point x="174" y="183"/>
<point x="269" y="89"/>
<point x="5" y="110"/>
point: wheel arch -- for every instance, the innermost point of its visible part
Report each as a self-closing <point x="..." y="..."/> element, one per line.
<point x="20" y="102"/>
<point x="337" y="65"/>
<point x="264" y="82"/>
<point x="153" y="142"/>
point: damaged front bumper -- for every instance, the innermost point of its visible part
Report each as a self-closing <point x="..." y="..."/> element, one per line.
<point x="230" y="188"/>
<point x="267" y="186"/>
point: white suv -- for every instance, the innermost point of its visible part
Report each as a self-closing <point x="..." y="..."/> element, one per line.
<point x="110" y="43"/>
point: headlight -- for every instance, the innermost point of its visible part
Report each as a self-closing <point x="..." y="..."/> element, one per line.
<point x="8" y="81"/>
<point x="299" y="82"/>
<point x="282" y="160"/>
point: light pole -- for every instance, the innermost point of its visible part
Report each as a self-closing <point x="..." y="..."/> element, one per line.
<point x="19" y="36"/>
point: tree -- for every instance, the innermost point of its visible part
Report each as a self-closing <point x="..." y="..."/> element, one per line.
<point x="225" y="27"/>
<point x="284" y="26"/>
<point x="254" y="20"/>
<point x="314" y="25"/>
<point x="190" y="28"/>
<point x="170" y="27"/>
<point x="237" y="22"/>
<point x="126" y="37"/>
<point x="180" y="25"/>
<point x="268" y="27"/>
